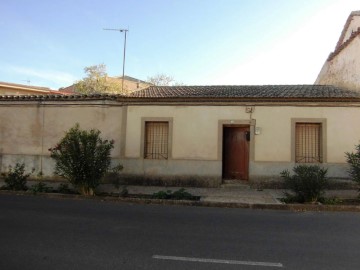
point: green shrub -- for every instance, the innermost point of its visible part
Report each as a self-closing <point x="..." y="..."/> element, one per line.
<point x="116" y="180"/>
<point x="331" y="201"/>
<point x="82" y="158"/>
<point x="353" y="159"/>
<point x="16" y="178"/>
<point x="40" y="187"/>
<point x="64" y="188"/>
<point x="162" y="195"/>
<point x="308" y="183"/>
<point x="180" y="194"/>
<point x="124" y="192"/>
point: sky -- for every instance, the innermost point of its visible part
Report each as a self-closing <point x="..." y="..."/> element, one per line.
<point x="197" y="42"/>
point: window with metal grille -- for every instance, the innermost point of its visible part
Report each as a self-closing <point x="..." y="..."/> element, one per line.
<point x="308" y="143"/>
<point x="156" y="140"/>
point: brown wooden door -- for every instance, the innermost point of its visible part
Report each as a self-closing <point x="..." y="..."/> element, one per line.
<point x="236" y="153"/>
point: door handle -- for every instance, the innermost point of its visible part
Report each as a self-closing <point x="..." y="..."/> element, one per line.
<point x="247" y="135"/>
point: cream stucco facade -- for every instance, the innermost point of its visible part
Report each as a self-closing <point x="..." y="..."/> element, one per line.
<point x="197" y="134"/>
<point x="29" y="128"/>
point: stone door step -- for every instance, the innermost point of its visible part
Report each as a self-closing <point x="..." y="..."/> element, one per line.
<point x="238" y="184"/>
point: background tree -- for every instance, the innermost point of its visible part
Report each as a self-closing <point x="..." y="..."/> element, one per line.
<point x="98" y="82"/>
<point x="82" y="158"/>
<point x="161" y="79"/>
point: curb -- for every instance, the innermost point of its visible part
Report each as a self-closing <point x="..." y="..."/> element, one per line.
<point x="288" y="207"/>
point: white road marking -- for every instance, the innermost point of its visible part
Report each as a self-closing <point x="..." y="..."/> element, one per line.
<point x="189" y="259"/>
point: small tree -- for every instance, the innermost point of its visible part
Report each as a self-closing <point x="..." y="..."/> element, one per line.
<point x="98" y="82"/>
<point x="82" y="158"/>
<point x="353" y="159"/>
<point x="161" y="79"/>
<point x="308" y="183"/>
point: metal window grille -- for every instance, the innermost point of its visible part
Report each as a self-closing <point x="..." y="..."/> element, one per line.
<point x="156" y="140"/>
<point x="308" y="143"/>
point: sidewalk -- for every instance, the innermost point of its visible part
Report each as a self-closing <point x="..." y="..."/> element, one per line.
<point x="242" y="194"/>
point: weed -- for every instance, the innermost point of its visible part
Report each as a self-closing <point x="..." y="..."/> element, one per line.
<point x="40" y="187"/>
<point x="64" y="188"/>
<point x="16" y="178"/>
<point x="180" y="194"/>
<point x="162" y="195"/>
<point x="124" y="192"/>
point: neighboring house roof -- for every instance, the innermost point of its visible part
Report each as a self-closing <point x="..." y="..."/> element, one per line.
<point x="355" y="31"/>
<point x="69" y="89"/>
<point x="346" y="27"/>
<point x="22" y="89"/>
<point x="247" y="91"/>
<point x="253" y="93"/>
<point x="339" y="48"/>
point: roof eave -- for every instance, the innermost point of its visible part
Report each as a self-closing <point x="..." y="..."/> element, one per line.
<point x="239" y="99"/>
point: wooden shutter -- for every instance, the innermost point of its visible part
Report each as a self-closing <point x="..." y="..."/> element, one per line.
<point x="156" y="140"/>
<point x="308" y="143"/>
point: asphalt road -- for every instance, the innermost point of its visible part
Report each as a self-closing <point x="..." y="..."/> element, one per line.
<point x="42" y="233"/>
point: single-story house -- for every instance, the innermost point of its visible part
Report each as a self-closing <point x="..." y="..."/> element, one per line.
<point x="192" y="135"/>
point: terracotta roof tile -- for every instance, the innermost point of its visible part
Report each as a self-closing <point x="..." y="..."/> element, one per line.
<point x="274" y="93"/>
<point x="246" y="91"/>
<point x="55" y="97"/>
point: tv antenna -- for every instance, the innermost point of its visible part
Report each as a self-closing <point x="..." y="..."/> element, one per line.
<point x="123" y="71"/>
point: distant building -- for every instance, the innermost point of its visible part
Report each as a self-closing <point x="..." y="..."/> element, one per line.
<point x="130" y="84"/>
<point x="21" y="89"/>
<point x="342" y="68"/>
<point x="133" y="84"/>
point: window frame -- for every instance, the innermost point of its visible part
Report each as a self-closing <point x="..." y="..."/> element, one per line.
<point x="323" y="141"/>
<point x="144" y="120"/>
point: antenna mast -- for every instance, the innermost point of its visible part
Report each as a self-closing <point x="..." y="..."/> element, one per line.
<point x="123" y="71"/>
